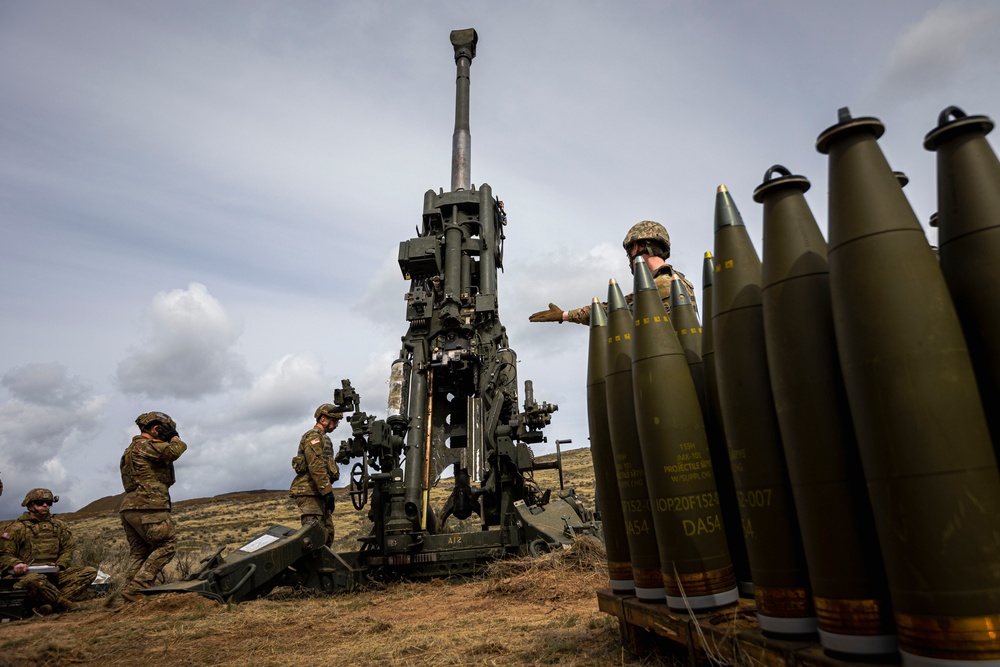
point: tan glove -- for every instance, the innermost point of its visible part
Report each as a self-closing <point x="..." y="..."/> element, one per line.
<point x="553" y="314"/>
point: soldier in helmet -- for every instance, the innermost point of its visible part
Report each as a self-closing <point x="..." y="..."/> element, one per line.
<point x="147" y="469"/>
<point x="316" y="471"/>
<point x="649" y="240"/>
<point x="38" y="539"/>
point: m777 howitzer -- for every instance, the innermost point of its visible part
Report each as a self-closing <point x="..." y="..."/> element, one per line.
<point x="453" y="401"/>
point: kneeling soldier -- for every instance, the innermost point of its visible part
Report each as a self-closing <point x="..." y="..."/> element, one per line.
<point x="147" y="469"/>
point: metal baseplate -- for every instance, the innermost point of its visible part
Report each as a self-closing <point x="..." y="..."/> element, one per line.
<point x="281" y="556"/>
<point x="284" y="556"/>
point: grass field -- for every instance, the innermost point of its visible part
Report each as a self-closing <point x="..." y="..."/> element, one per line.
<point x="521" y="612"/>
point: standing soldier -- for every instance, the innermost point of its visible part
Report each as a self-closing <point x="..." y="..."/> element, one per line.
<point x="147" y="469"/>
<point x="39" y="539"/>
<point x="649" y="240"/>
<point x="316" y="471"/>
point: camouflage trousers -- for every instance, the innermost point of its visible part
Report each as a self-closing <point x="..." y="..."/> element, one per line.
<point x="312" y="510"/>
<point x="69" y="585"/>
<point x="152" y="543"/>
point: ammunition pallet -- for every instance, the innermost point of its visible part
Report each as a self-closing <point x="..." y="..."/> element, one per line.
<point x="729" y="636"/>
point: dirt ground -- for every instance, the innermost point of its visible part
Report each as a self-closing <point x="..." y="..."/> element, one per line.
<point x="524" y="612"/>
<point x="539" y="611"/>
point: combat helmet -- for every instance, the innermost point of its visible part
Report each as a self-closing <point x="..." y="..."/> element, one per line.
<point x="647" y="230"/>
<point x="39" y="494"/>
<point x="329" y="410"/>
<point x="149" y="419"/>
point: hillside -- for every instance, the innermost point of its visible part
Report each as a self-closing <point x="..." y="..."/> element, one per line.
<point x="524" y="611"/>
<point x="112" y="503"/>
<point x="229" y="520"/>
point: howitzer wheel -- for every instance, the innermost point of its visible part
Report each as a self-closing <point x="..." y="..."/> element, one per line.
<point x="538" y="546"/>
<point x="359" y="486"/>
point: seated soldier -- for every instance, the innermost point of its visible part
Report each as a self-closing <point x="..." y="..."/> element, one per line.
<point x="38" y="539"/>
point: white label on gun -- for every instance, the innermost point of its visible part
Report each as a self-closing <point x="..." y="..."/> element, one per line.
<point x="259" y="543"/>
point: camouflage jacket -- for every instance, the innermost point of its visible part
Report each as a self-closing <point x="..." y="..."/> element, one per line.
<point x="28" y="540"/>
<point x="316" y="450"/>
<point x="147" y="466"/>
<point x="662" y="277"/>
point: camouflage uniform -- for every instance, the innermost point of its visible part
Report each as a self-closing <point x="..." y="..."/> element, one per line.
<point x="44" y="542"/>
<point x="663" y="277"/>
<point x="147" y="468"/>
<point x="652" y="239"/>
<point x="315" y="473"/>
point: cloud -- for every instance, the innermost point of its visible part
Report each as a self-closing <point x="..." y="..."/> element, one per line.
<point x="48" y="411"/>
<point x="260" y="157"/>
<point x="45" y="384"/>
<point x="567" y="284"/>
<point x="932" y="53"/>
<point x="188" y="352"/>
<point x="245" y="439"/>
<point x="285" y="392"/>
<point x="383" y="304"/>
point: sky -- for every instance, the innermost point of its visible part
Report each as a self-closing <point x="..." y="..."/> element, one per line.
<point x="201" y="203"/>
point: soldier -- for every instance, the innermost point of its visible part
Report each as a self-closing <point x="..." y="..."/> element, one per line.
<point x="316" y="471"/>
<point x="36" y="539"/>
<point x="648" y="239"/>
<point x="147" y="469"/>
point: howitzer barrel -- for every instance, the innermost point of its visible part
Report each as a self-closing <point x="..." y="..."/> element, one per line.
<point x="464" y="42"/>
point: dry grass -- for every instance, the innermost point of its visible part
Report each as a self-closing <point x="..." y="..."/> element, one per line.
<point x="521" y="612"/>
<point x="429" y="623"/>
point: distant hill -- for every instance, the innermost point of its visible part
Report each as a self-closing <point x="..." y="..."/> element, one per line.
<point x="232" y="519"/>
<point x="105" y="504"/>
<point x="112" y="503"/>
<point x="577" y="469"/>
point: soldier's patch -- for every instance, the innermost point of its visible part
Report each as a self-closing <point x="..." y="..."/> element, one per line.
<point x="315" y="442"/>
<point x="5" y="536"/>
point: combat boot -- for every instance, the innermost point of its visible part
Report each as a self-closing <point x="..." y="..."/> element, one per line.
<point x="43" y="610"/>
<point x="68" y="605"/>
<point x="130" y="594"/>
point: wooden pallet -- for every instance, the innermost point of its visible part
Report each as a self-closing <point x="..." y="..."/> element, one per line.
<point x="729" y="636"/>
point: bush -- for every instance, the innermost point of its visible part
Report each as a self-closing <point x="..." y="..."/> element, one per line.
<point x="103" y="552"/>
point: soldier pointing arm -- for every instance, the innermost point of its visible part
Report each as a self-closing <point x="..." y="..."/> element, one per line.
<point x="647" y="239"/>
